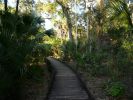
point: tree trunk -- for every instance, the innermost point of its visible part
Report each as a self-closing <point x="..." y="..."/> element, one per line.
<point x="70" y="31"/>
<point x="17" y="4"/>
<point x="100" y="3"/>
<point x="5" y="2"/>
<point x="33" y="7"/>
<point x="65" y="10"/>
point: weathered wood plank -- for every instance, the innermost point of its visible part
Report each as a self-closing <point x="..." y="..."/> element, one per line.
<point x="66" y="85"/>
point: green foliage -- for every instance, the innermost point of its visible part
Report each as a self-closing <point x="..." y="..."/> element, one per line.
<point x="128" y="45"/>
<point x="49" y="32"/>
<point x="54" y="46"/>
<point x="115" y="89"/>
<point x="116" y="33"/>
<point x="98" y="65"/>
<point x="21" y="49"/>
<point x="35" y="73"/>
<point x="69" y="50"/>
<point x="79" y="58"/>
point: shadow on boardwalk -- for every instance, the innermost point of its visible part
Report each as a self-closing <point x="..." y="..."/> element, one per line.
<point x="66" y="85"/>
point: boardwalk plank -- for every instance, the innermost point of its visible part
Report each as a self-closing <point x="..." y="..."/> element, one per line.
<point x="66" y="85"/>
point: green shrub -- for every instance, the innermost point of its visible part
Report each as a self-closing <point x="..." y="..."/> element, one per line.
<point x="35" y="73"/>
<point x="115" y="89"/>
<point x="69" y="50"/>
<point x="20" y="51"/>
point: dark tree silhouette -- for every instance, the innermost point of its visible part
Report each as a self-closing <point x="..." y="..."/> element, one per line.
<point x="5" y="4"/>
<point x="17" y="5"/>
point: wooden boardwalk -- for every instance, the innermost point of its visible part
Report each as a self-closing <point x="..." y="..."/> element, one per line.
<point x="66" y="85"/>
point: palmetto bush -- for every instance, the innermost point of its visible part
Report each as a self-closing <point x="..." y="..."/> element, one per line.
<point x="18" y="47"/>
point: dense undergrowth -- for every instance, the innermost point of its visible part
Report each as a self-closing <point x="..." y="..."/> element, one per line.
<point x="113" y="60"/>
<point x="22" y="52"/>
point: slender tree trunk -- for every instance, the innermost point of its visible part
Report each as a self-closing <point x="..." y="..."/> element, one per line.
<point x="129" y="18"/>
<point x="17" y="5"/>
<point x="70" y="31"/>
<point x="100" y="3"/>
<point x="68" y="18"/>
<point x="76" y="27"/>
<point x="5" y="2"/>
<point x="33" y="7"/>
